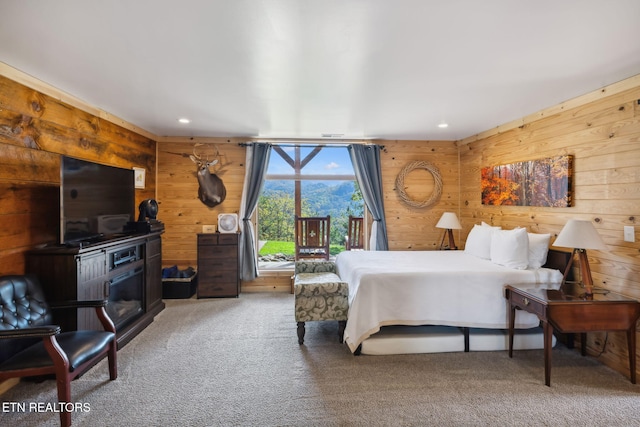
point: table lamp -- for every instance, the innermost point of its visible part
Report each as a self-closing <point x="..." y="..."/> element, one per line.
<point x="580" y="235"/>
<point x="449" y="221"/>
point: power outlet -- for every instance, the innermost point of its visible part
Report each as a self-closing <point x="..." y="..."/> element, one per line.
<point x="629" y="233"/>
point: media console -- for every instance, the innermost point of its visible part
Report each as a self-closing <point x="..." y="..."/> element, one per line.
<point x="126" y="270"/>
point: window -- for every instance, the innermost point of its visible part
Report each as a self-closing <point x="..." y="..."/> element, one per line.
<point x="304" y="180"/>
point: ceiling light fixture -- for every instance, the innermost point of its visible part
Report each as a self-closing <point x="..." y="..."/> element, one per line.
<point x="443" y="125"/>
<point x="184" y="121"/>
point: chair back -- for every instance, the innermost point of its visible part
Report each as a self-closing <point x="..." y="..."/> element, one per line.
<point x="312" y="237"/>
<point x="22" y="305"/>
<point x="355" y="233"/>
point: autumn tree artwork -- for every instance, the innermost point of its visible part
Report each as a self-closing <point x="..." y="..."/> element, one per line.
<point x="541" y="182"/>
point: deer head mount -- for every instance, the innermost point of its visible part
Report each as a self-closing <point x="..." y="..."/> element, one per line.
<point x="211" y="190"/>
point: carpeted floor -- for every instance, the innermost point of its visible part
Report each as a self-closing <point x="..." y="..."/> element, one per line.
<point x="236" y="362"/>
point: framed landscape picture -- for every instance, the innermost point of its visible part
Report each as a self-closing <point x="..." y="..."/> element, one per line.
<point x="541" y="182"/>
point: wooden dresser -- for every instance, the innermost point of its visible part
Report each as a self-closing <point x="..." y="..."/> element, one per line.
<point x="218" y="265"/>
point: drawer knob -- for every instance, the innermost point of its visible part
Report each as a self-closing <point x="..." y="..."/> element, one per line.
<point x="525" y="301"/>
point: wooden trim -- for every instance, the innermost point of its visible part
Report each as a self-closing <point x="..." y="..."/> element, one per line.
<point x="250" y="139"/>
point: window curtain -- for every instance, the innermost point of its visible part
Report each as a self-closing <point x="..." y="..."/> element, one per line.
<point x="256" y="163"/>
<point x="366" y="165"/>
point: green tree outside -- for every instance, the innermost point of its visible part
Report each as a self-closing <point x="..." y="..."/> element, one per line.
<point x="276" y="212"/>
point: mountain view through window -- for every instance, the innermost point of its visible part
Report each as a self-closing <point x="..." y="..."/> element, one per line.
<point x="326" y="186"/>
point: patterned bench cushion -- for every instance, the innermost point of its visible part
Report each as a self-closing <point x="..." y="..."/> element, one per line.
<point x="315" y="267"/>
<point x="320" y="296"/>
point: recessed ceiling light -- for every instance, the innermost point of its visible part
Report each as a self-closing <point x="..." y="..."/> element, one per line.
<point x="184" y="121"/>
<point x="443" y="125"/>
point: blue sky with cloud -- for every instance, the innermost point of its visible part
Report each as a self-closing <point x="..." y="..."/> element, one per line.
<point x="330" y="161"/>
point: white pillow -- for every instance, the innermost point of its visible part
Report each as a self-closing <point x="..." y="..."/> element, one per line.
<point x="538" y="249"/>
<point x="510" y="248"/>
<point x="479" y="241"/>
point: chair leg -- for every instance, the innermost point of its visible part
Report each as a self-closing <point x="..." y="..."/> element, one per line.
<point x="64" y="396"/>
<point x="341" y="325"/>
<point x="113" y="360"/>
<point x="63" y="380"/>
<point x="63" y="384"/>
<point x="300" y="333"/>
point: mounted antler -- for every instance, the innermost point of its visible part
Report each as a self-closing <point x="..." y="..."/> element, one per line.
<point x="211" y="190"/>
<point x="197" y="158"/>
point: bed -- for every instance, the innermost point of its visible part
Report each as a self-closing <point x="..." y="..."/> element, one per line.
<point x="459" y="289"/>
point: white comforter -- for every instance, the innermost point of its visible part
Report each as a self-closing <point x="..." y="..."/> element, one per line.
<point x="431" y="288"/>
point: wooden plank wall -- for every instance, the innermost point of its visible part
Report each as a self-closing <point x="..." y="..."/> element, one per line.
<point x="180" y="209"/>
<point x="184" y="215"/>
<point x="35" y="129"/>
<point x="603" y="135"/>
<point x="410" y="228"/>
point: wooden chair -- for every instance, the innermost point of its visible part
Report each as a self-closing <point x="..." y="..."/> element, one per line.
<point x="312" y="237"/>
<point x="355" y="234"/>
<point x="32" y="346"/>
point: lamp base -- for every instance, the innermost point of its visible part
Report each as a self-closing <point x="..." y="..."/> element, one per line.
<point x="452" y="245"/>
<point x="585" y="296"/>
<point x="585" y="271"/>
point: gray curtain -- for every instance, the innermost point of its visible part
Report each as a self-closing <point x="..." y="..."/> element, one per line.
<point x="256" y="163"/>
<point x="366" y="165"/>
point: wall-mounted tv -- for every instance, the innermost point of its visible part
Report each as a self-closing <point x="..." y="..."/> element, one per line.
<point x="96" y="201"/>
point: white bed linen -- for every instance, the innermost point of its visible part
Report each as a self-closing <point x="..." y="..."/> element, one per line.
<point x="448" y="288"/>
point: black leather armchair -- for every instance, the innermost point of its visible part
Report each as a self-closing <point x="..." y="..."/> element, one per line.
<point x="32" y="346"/>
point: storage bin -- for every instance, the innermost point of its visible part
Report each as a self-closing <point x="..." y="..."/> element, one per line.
<point x="179" y="288"/>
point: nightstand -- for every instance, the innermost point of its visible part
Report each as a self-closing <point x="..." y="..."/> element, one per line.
<point x="572" y="313"/>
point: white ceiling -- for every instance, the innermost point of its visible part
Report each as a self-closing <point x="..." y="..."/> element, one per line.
<point x="390" y="69"/>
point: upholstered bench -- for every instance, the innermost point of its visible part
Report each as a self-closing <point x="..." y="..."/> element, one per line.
<point x="320" y="294"/>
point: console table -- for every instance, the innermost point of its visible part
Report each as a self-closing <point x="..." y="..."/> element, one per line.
<point x="126" y="270"/>
<point x="569" y="312"/>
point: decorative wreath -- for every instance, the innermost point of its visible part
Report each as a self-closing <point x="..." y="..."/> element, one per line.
<point x="437" y="191"/>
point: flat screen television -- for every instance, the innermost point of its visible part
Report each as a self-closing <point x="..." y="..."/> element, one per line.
<point x="96" y="201"/>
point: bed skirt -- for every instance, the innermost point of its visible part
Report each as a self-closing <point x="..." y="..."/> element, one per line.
<point x="444" y="339"/>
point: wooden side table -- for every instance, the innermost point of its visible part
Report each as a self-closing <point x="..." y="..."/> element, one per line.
<point x="571" y="313"/>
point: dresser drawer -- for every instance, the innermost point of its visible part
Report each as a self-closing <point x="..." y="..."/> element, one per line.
<point x="217" y="260"/>
<point x="228" y="239"/>
<point x="217" y="289"/>
<point x="207" y="239"/>
<point x="218" y="275"/>
<point x="218" y="250"/>
<point x="528" y="304"/>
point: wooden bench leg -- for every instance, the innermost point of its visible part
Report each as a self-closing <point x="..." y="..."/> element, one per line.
<point x="341" y="325"/>
<point x="300" y="333"/>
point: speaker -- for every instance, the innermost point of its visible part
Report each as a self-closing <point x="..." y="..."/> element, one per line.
<point x="148" y="209"/>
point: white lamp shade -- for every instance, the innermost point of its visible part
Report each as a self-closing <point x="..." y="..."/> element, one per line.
<point x="579" y="234"/>
<point x="449" y="220"/>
